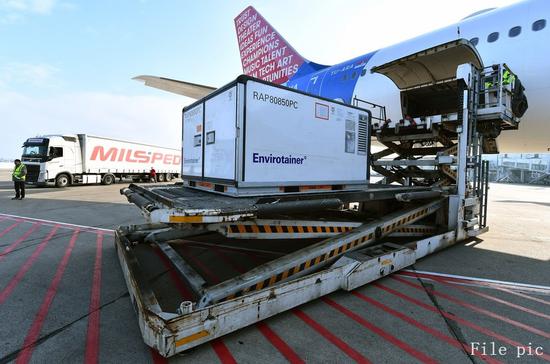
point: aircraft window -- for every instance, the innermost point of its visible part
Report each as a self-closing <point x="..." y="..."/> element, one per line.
<point x="344" y="77"/>
<point x="474" y="41"/>
<point x="363" y="72"/>
<point x="354" y="74"/>
<point x="493" y="37"/>
<point x="539" y="25"/>
<point x="514" y="32"/>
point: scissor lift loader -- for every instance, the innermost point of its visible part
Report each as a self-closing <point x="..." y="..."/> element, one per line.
<point x="302" y="245"/>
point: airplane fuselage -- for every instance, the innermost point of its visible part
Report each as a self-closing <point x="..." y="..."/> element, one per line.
<point x="525" y="50"/>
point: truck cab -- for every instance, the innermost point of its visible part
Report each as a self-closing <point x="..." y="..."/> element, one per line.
<point x="52" y="159"/>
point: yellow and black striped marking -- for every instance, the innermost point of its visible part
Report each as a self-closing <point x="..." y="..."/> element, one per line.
<point x="303" y="266"/>
<point x="285" y="229"/>
<point x="449" y="172"/>
<point x="451" y="151"/>
<point x="415" y="229"/>
<point x="337" y="251"/>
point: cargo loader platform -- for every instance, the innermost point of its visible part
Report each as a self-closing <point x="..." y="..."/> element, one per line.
<point x="292" y="273"/>
<point x="179" y="204"/>
<point x="432" y="195"/>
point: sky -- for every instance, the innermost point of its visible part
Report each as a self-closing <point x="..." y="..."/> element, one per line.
<point x="67" y="66"/>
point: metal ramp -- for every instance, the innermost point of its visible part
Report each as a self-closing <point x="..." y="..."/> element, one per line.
<point x="345" y="261"/>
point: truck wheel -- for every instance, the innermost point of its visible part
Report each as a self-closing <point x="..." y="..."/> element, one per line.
<point x="160" y="177"/>
<point x="168" y="177"/>
<point x="108" y="179"/>
<point x="62" y="180"/>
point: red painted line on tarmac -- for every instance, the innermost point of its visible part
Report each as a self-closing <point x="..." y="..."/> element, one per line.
<point x="519" y="294"/>
<point x="450" y="340"/>
<point x="458" y="319"/>
<point x="9" y="228"/>
<point x="266" y="331"/>
<point x="257" y="259"/>
<point x="278" y="343"/>
<point x="237" y="267"/>
<point x="348" y="350"/>
<point x="313" y="324"/>
<point x="157" y="358"/>
<point x="480" y="294"/>
<point x="21" y="239"/>
<point x="26" y="266"/>
<point x="223" y="352"/>
<point x="204" y="269"/>
<point x="218" y="345"/>
<point x="24" y="355"/>
<point x="92" y="335"/>
<point x="185" y="293"/>
<point x="476" y="308"/>
<point x="388" y="337"/>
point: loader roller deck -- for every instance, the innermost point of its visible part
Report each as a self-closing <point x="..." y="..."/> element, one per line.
<point x="192" y="201"/>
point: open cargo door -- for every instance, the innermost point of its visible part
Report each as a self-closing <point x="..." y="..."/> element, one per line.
<point x="427" y="79"/>
<point x="430" y="66"/>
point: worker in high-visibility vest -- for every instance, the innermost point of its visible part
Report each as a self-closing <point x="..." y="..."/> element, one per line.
<point x="507" y="77"/>
<point x="18" y="177"/>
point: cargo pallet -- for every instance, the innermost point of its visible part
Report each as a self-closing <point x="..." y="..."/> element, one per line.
<point x="332" y="239"/>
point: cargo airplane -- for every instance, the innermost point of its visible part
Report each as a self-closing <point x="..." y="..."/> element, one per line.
<point x="518" y="35"/>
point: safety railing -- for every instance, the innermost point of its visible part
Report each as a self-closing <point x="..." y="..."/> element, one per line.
<point x="378" y="112"/>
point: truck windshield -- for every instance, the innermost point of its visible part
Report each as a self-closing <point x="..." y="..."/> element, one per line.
<point x="36" y="148"/>
<point x="35" y="151"/>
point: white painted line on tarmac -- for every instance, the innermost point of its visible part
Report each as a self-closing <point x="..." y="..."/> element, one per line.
<point x="473" y="279"/>
<point x="61" y="224"/>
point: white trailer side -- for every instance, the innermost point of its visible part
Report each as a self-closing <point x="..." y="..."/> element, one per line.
<point x="106" y="155"/>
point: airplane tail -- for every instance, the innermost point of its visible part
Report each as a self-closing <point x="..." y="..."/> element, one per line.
<point x="265" y="54"/>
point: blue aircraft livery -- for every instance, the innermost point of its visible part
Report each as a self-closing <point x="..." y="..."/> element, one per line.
<point x="266" y="55"/>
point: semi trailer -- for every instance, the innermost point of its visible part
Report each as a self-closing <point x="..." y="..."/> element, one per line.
<point x="239" y="253"/>
<point x="64" y="160"/>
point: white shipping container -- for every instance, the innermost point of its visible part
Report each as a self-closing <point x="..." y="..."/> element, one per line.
<point x="251" y="133"/>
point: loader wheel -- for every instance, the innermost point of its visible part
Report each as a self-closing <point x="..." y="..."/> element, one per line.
<point x="62" y="181"/>
<point x="160" y="177"/>
<point x="168" y="177"/>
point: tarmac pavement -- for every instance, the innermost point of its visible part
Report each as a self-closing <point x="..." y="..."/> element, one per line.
<point x="63" y="297"/>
